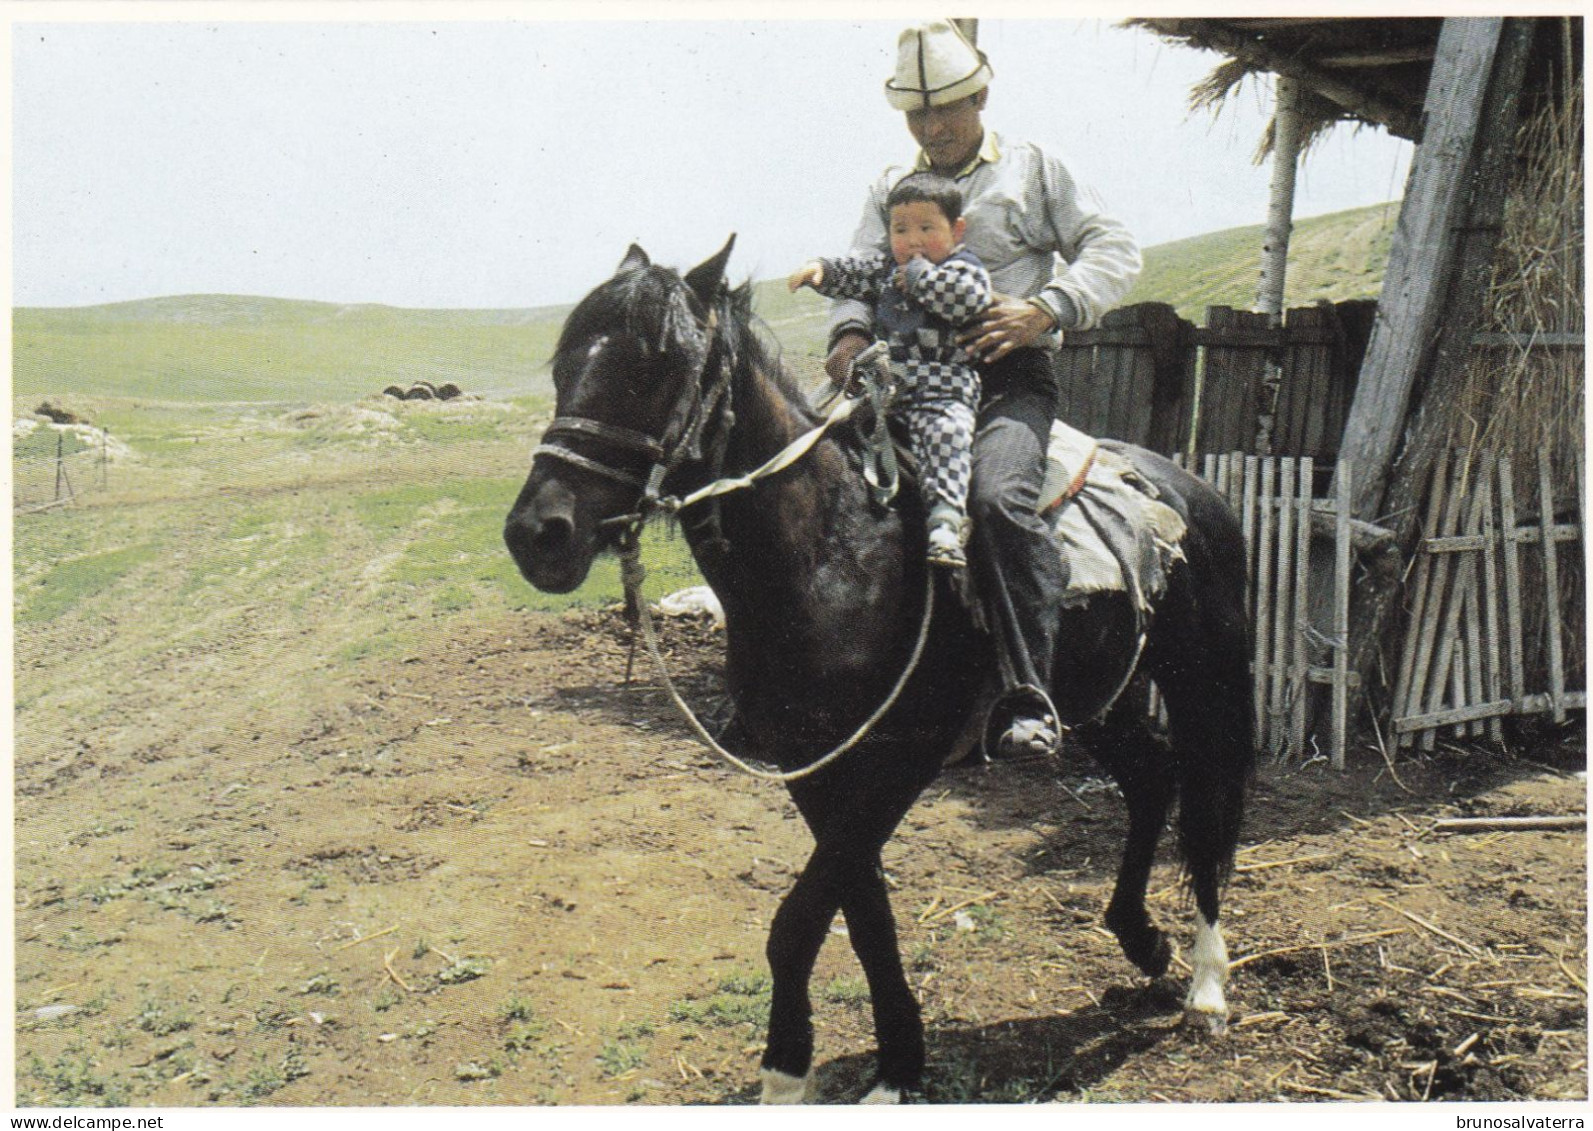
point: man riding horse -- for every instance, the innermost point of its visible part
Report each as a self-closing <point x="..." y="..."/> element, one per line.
<point x="1057" y="262"/>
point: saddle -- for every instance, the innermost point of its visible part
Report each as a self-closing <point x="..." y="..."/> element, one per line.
<point x="1111" y="526"/>
<point x="1113" y="531"/>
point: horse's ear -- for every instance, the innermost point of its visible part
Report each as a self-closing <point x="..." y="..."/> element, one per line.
<point x="635" y="259"/>
<point x="705" y="278"/>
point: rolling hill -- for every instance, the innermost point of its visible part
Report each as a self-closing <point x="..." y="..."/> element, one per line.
<point x="241" y="348"/>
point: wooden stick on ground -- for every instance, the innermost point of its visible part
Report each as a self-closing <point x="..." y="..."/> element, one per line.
<point x="1423" y="923"/>
<point x="387" y="964"/>
<point x="1508" y="824"/>
<point x="1260" y="954"/>
<point x="365" y="939"/>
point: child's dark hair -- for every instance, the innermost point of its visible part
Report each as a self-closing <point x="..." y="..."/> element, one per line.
<point x="928" y="188"/>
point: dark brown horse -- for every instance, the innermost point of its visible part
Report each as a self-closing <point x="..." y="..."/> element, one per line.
<point x="662" y="385"/>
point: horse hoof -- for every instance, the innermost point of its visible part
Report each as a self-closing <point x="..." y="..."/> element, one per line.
<point x="1206" y="1023"/>
<point x="1153" y="957"/>
<point x="882" y="1093"/>
<point x="784" y="1088"/>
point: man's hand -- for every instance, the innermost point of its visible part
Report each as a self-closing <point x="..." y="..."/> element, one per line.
<point x="1007" y="324"/>
<point x="839" y="364"/>
<point x="808" y="275"/>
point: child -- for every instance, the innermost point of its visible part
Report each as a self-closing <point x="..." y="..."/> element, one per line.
<point x="925" y="290"/>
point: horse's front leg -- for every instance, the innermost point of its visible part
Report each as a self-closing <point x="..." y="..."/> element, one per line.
<point x="795" y="937"/>
<point x="898" y="1022"/>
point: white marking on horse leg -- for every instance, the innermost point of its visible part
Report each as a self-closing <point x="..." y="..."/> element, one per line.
<point x="1205" y="1002"/>
<point x="784" y="1088"/>
<point x="882" y="1093"/>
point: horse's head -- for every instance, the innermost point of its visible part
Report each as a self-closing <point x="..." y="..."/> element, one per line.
<point x="634" y="391"/>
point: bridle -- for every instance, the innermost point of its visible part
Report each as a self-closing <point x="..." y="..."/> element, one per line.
<point x="682" y="440"/>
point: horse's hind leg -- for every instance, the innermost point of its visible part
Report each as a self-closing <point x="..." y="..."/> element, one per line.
<point x="1212" y="729"/>
<point x="1122" y="743"/>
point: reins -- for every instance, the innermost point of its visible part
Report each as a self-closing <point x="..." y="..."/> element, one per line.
<point x="632" y="572"/>
<point x="628" y="542"/>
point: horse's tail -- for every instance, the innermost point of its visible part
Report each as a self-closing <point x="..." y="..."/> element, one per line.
<point x="1214" y="731"/>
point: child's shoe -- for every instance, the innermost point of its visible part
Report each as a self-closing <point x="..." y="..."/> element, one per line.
<point x="947" y="529"/>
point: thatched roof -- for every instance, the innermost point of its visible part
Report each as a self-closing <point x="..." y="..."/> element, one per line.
<point x="1372" y="71"/>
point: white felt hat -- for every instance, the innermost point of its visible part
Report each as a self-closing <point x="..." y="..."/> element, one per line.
<point x="935" y="64"/>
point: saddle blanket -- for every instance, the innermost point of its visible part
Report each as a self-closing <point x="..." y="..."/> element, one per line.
<point x="1114" y="532"/>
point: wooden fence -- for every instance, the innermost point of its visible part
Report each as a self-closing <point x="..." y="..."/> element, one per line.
<point x="1471" y="652"/>
<point x="1285" y="526"/>
<point x="1489" y="554"/>
<point x="1154" y="379"/>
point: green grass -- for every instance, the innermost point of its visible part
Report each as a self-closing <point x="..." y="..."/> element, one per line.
<point x="72" y="582"/>
<point x="618" y="1057"/>
<point x="741" y="999"/>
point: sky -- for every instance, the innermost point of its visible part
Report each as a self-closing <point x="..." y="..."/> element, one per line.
<point x="444" y="162"/>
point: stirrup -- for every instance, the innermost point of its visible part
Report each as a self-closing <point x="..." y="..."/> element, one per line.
<point x="1032" y="728"/>
<point x="1029" y="737"/>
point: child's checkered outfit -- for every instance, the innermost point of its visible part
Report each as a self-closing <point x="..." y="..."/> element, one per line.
<point x="938" y="388"/>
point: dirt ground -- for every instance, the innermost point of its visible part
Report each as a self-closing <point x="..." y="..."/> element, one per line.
<point x="485" y="873"/>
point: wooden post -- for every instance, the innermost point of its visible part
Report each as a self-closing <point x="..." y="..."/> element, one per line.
<point x="1421" y="260"/>
<point x="1300" y="679"/>
<point x="1341" y="615"/>
<point x="1435" y="285"/>
<point x="1261" y="570"/>
<point x="1490" y="588"/>
<point x="1286" y="134"/>
<point x="1551" y="588"/>
<point x="1516" y="689"/>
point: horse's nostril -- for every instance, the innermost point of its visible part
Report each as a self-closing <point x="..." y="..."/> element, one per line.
<point x="551" y="535"/>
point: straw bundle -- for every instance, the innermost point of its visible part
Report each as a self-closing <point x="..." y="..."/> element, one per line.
<point x="1523" y="398"/>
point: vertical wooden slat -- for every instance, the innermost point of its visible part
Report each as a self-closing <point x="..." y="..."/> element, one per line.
<point x="1407" y="691"/>
<point x="1457" y="668"/>
<point x="1247" y="516"/>
<point x="1144" y="369"/>
<point x="1581" y="501"/>
<point x="1283" y="604"/>
<point x="1115" y="394"/>
<point x="1551" y="588"/>
<point x="1469" y="664"/>
<point x="1341" y="613"/>
<point x="1234" y="476"/>
<point x="1517" y="688"/>
<point x="1490" y="594"/>
<point x="1263" y="574"/>
<point x="1472" y="619"/>
<point x="1430" y="679"/>
<point x="1300" y="675"/>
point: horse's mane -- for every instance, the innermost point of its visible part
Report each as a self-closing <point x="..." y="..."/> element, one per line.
<point x="653" y="305"/>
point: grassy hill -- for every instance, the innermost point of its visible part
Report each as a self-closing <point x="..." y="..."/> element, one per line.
<point x="219" y="348"/>
<point x="1333" y="258"/>
<point x="236" y="348"/>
